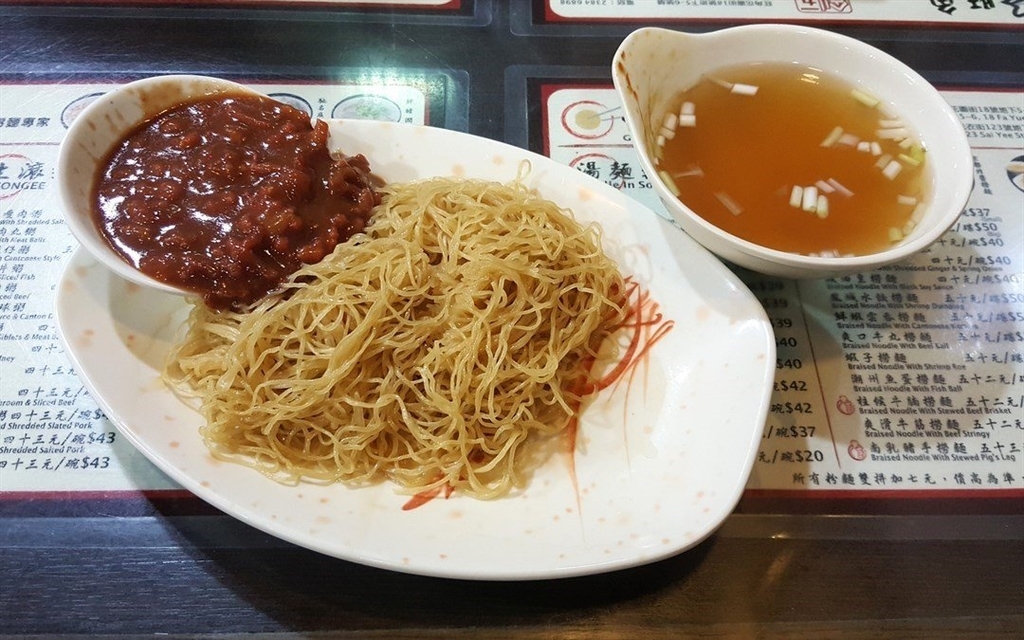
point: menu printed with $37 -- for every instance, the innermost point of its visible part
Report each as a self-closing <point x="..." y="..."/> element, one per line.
<point x="911" y="377"/>
<point x="906" y="378"/>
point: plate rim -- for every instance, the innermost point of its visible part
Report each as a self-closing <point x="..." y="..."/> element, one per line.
<point x="234" y="509"/>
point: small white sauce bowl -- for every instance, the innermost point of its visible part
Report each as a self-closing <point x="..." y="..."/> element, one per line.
<point x="653" y="66"/>
<point x="93" y="135"/>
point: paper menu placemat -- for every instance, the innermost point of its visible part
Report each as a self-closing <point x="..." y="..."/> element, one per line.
<point x="940" y="12"/>
<point x="53" y="437"/>
<point x="907" y="378"/>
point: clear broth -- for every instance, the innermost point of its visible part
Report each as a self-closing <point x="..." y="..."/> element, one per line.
<point x="737" y="166"/>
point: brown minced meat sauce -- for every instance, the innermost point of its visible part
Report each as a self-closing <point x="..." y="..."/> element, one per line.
<point x="228" y="196"/>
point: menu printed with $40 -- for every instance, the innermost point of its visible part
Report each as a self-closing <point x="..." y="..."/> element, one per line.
<point x="906" y="378"/>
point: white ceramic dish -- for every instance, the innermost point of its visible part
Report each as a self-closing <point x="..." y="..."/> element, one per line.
<point x="660" y="463"/>
<point x="653" y="66"/>
<point x="92" y="136"/>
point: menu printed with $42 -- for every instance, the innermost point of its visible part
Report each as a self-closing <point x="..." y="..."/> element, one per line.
<point x="907" y="378"/>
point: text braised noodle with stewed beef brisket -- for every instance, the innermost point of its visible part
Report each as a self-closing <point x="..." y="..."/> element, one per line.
<point x="227" y="196"/>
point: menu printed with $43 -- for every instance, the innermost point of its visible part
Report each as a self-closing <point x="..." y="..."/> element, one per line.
<point x="910" y="377"/>
<point x="53" y="437"/>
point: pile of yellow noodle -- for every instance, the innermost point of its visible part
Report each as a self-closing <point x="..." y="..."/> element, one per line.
<point x="425" y="351"/>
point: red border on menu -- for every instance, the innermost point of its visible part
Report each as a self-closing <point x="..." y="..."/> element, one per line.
<point x="841" y="501"/>
<point x="117" y="503"/>
<point x="752" y="501"/>
<point x="172" y="499"/>
<point x="551" y="16"/>
<point x="545" y="92"/>
<point x="99" y="494"/>
<point x="449" y="5"/>
<point x="882" y="502"/>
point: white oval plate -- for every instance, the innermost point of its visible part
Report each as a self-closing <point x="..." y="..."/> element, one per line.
<point x="660" y="462"/>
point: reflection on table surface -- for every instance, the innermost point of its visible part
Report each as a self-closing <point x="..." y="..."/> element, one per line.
<point x="886" y="494"/>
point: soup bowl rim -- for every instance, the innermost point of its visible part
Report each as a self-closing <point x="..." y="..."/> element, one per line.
<point x="749" y="43"/>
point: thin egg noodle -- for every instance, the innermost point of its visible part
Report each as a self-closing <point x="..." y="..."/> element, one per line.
<point x="425" y="351"/>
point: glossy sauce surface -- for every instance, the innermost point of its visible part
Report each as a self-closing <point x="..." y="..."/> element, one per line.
<point x="227" y="196"/>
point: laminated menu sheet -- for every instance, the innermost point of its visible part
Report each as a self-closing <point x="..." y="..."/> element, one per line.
<point x="910" y="378"/>
<point x="941" y="12"/>
<point x="53" y="436"/>
<point x="439" y="6"/>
